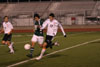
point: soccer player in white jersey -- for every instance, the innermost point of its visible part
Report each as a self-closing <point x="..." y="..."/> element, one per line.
<point x="7" y="29"/>
<point x="52" y="27"/>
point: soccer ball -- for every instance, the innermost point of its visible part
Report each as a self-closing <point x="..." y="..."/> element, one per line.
<point x="27" y="46"/>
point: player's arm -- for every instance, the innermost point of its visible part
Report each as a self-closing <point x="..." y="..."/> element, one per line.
<point x="44" y="25"/>
<point x="2" y="30"/>
<point x="62" y="30"/>
<point x="10" y="31"/>
<point x="35" y="27"/>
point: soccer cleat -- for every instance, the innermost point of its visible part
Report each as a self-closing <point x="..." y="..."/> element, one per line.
<point x="11" y="52"/>
<point x="50" y="47"/>
<point x="56" y="44"/>
<point x="38" y="58"/>
<point x="12" y="44"/>
<point x="29" y="55"/>
<point x="65" y="36"/>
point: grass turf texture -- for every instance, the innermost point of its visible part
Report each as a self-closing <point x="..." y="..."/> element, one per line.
<point x="84" y="56"/>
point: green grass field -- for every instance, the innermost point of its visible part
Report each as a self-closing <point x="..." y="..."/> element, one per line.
<point x="87" y="55"/>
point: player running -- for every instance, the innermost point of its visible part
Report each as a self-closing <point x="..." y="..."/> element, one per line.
<point x="52" y="26"/>
<point x="7" y="29"/>
<point x="38" y="34"/>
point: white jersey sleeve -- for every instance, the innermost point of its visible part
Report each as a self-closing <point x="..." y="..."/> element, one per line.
<point x="10" y="25"/>
<point x="44" y="25"/>
<point x="62" y="29"/>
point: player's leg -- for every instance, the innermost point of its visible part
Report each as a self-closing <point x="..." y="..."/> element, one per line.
<point x="4" y="42"/>
<point x="31" y="50"/>
<point x="54" y="44"/>
<point x="4" y="39"/>
<point x="45" y="46"/>
<point x="42" y="51"/>
<point x="32" y="47"/>
<point x="10" y="46"/>
<point x="9" y="43"/>
<point x="40" y="41"/>
<point x="47" y="43"/>
<point x="34" y="40"/>
<point x="51" y="44"/>
<point x="33" y="43"/>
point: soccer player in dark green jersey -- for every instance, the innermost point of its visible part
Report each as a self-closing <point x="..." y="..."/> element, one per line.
<point x="38" y="34"/>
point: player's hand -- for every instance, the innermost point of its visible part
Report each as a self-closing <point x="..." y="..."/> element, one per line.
<point x="38" y="26"/>
<point x="9" y="33"/>
<point x="65" y="36"/>
<point x="41" y="29"/>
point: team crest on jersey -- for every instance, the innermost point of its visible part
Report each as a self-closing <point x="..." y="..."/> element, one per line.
<point x="55" y="24"/>
<point x="51" y="25"/>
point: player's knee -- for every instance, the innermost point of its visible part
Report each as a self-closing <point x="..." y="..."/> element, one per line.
<point x="33" y="43"/>
<point x="8" y="42"/>
<point x="44" y="45"/>
<point x="3" y="42"/>
<point x="41" y="45"/>
<point x="48" y="41"/>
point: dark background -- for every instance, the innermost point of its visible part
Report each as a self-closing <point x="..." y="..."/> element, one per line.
<point x="2" y="1"/>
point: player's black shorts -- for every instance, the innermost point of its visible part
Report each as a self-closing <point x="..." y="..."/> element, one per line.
<point x="48" y="40"/>
<point x="7" y="37"/>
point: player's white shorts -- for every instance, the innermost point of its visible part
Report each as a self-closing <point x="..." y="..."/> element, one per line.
<point x="38" y="39"/>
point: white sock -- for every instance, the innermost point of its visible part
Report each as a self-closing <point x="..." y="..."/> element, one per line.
<point x="12" y="44"/>
<point x="11" y="48"/>
<point x="42" y="52"/>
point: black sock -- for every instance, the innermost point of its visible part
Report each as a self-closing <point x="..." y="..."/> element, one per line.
<point x="52" y="44"/>
<point x="31" y="51"/>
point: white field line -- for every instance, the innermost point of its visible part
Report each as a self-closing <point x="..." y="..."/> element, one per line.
<point x="21" y="35"/>
<point x="61" y="50"/>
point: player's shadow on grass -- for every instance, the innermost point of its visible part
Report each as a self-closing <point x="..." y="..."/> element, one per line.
<point x="54" y="55"/>
<point x="39" y="54"/>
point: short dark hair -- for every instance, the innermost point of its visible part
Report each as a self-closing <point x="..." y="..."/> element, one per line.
<point x="5" y="17"/>
<point x="36" y="15"/>
<point x="52" y="14"/>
